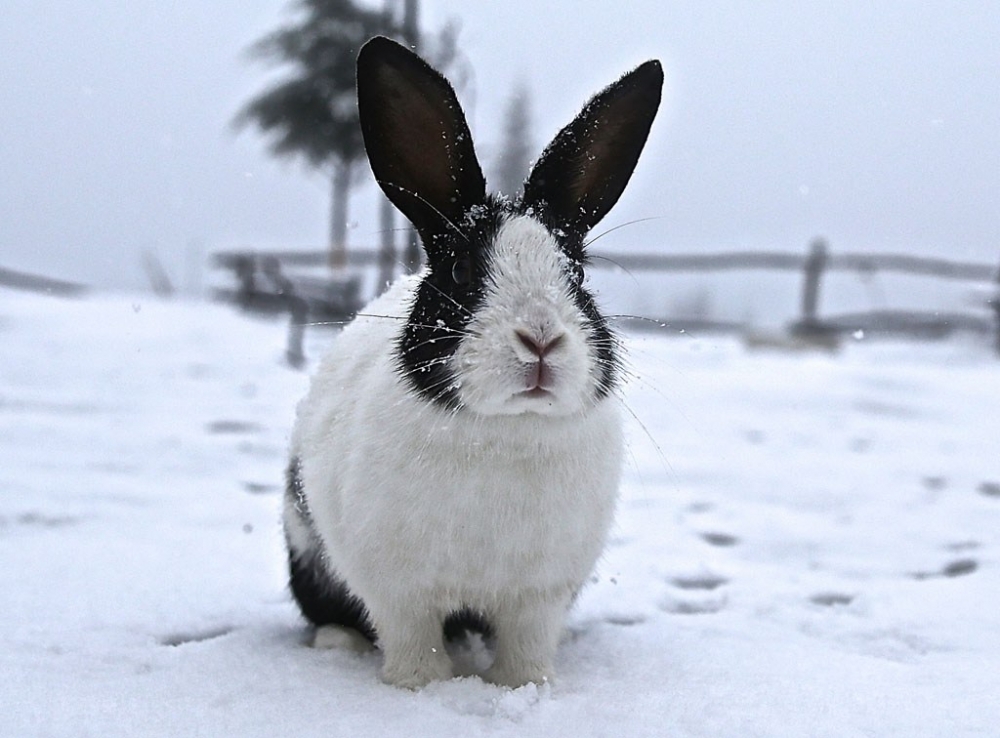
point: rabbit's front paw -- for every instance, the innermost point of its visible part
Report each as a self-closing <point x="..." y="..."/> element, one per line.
<point x="516" y="675"/>
<point x="414" y="672"/>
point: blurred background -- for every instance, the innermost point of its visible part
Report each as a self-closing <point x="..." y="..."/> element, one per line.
<point x="875" y="126"/>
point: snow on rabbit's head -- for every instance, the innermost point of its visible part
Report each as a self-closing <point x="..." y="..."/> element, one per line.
<point x="501" y="322"/>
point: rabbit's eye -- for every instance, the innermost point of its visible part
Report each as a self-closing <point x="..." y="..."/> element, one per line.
<point x="461" y="272"/>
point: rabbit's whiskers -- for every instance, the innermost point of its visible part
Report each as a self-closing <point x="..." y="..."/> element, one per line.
<point x="422" y="199"/>
<point x="602" y="234"/>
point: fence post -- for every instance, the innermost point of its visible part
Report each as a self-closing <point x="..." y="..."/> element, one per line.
<point x="994" y="303"/>
<point x="387" y="252"/>
<point x="245" y="268"/>
<point x="411" y="256"/>
<point x="815" y="265"/>
<point x="298" y="311"/>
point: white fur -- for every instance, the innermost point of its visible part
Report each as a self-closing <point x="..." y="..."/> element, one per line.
<point x="527" y="293"/>
<point x="502" y="505"/>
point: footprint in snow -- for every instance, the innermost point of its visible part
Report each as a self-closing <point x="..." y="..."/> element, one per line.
<point x="704" y="582"/>
<point x="990" y="489"/>
<point x="625" y="621"/>
<point x="232" y="427"/>
<point x="957" y="568"/>
<point x="261" y="488"/>
<point x="699" y="593"/>
<point x="831" y="599"/>
<point x="723" y="540"/>
<point x="935" y="484"/>
<point x="963" y="546"/>
<point x="707" y="605"/>
<point x="38" y="520"/>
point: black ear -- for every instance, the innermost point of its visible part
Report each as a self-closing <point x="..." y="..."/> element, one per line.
<point x="417" y="139"/>
<point x="583" y="172"/>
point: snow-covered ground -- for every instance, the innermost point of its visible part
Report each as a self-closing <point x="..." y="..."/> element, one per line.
<point x="807" y="545"/>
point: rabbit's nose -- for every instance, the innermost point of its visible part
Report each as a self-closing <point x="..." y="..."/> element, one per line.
<point x="537" y="345"/>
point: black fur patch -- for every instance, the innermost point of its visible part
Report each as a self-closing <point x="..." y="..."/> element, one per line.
<point x="447" y="299"/>
<point x="601" y="337"/>
<point x="466" y="620"/>
<point x="324" y="599"/>
<point x="321" y="596"/>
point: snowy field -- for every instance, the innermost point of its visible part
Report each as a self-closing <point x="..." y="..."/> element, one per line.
<point x="807" y="545"/>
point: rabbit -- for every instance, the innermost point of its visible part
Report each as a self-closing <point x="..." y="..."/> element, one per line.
<point x="456" y="460"/>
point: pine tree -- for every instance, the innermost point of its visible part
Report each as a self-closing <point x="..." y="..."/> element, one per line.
<point x="313" y="113"/>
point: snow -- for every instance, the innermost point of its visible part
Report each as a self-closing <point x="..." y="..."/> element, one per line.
<point x="807" y="544"/>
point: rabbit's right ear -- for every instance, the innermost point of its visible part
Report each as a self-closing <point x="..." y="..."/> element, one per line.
<point x="417" y="139"/>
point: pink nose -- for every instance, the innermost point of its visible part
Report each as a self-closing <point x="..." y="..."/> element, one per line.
<point x="536" y="346"/>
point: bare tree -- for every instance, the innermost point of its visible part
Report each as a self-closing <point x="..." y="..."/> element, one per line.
<point x="313" y="113"/>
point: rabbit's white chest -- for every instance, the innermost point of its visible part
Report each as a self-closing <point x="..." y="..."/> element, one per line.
<point x="496" y="519"/>
<point x="472" y="508"/>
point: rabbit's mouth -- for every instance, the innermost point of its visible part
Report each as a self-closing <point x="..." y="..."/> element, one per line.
<point x="538" y="377"/>
<point x="537" y="393"/>
<point x="535" y="401"/>
<point x="539" y="384"/>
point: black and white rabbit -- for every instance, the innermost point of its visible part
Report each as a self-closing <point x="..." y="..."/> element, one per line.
<point x="457" y="457"/>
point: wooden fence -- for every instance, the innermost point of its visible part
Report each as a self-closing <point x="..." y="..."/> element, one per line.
<point x="817" y="262"/>
<point x="261" y="283"/>
<point x="35" y="283"/>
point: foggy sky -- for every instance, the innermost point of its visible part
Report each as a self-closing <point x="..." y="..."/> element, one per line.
<point x="875" y="124"/>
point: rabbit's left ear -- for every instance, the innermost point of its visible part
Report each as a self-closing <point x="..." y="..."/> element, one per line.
<point x="583" y="172"/>
<point x="417" y="139"/>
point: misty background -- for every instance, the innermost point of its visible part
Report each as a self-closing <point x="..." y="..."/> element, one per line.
<point x="874" y="125"/>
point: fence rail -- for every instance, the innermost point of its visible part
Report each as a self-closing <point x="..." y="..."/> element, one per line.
<point x="35" y="283"/>
<point x="784" y="261"/>
<point x="813" y="265"/>
<point x="718" y="261"/>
